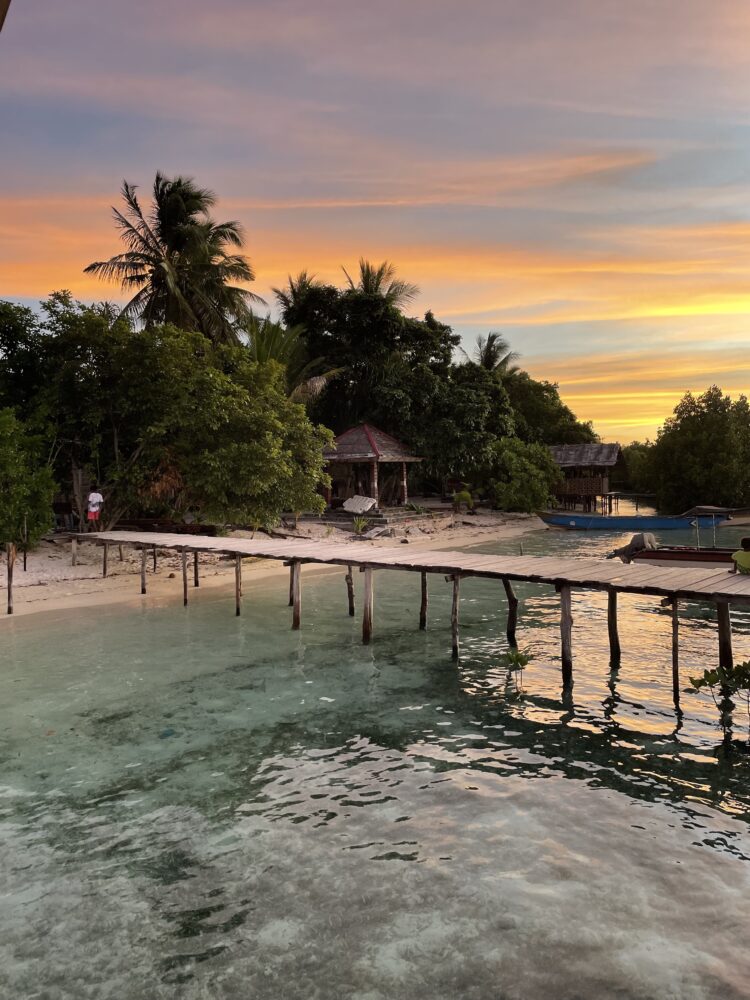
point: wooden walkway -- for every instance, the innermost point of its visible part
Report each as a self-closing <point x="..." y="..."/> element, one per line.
<point x="716" y="586"/>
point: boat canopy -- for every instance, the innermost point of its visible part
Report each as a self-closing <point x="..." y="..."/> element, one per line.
<point x="707" y="511"/>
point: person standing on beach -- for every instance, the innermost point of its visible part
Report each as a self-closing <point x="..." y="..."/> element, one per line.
<point x="95" y="504"/>
<point x="741" y="558"/>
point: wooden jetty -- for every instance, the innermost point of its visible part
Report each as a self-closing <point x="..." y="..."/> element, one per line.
<point x="715" y="586"/>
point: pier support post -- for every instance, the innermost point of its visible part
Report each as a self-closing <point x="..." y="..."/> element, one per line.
<point x="183" y="555"/>
<point x="291" y="582"/>
<point x="196" y="578"/>
<point x="454" y="616"/>
<point x="614" y="636"/>
<point x="675" y="653"/>
<point x="367" y="607"/>
<point x="154" y="558"/>
<point x="143" y="569"/>
<point x="726" y="659"/>
<point x="350" y="590"/>
<point x="566" y="630"/>
<point x="105" y="552"/>
<point x="11" y="557"/>
<point x="121" y="553"/>
<point x="296" y="596"/>
<point x="423" y="604"/>
<point x="237" y="584"/>
<point x="510" y="631"/>
<point x="74" y="552"/>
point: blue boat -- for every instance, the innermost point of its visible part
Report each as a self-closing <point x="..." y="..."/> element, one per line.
<point x="705" y="517"/>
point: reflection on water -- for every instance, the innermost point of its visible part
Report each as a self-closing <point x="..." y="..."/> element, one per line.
<point x="199" y="806"/>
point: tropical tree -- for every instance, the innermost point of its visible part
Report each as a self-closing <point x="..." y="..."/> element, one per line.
<point x="494" y="353"/>
<point x="381" y="281"/>
<point x="271" y="341"/>
<point x="26" y="489"/>
<point x="702" y="453"/>
<point x="179" y="266"/>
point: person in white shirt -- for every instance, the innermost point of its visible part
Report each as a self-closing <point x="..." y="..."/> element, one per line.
<point x="95" y="504"/>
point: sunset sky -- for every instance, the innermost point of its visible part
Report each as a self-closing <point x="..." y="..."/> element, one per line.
<point x="573" y="173"/>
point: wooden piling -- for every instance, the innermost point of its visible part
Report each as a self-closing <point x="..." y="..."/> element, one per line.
<point x="423" y="605"/>
<point x="367" y="607"/>
<point x="121" y="553"/>
<point x="143" y="570"/>
<point x="454" y="616"/>
<point x="196" y="577"/>
<point x="614" y="636"/>
<point x="350" y="590"/>
<point x="726" y="658"/>
<point x="183" y="557"/>
<point x="154" y="558"/>
<point x="296" y="595"/>
<point x="11" y="557"/>
<point x="237" y="584"/>
<point x="74" y="552"/>
<point x="512" y="613"/>
<point x="566" y="630"/>
<point x="104" y="559"/>
<point x="675" y="653"/>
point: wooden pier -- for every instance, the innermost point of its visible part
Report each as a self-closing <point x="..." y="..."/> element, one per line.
<point x="714" y="586"/>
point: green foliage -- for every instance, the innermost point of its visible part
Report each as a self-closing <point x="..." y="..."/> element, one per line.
<point x="540" y="416"/>
<point x="519" y="476"/>
<point x="359" y="525"/>
<point x="26" y="485"/>
<point x="729" y="680"/>
<point x="639" y="468"/>
<point x="463" y="496"/>
<point x="517" y="659"/>
<point x="166" y="421"/>
<point x="179" y="262"/>
<point x="702" y="453"/>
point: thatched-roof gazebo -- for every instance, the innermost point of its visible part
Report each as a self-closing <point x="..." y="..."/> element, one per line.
<point x="354" y="460"/>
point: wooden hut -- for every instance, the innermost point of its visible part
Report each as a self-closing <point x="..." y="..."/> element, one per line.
<point x="586" y="469"/>
<point x="354" y="464"/>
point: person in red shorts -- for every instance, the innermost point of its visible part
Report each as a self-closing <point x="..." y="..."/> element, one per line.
<point x="94" y="508"/>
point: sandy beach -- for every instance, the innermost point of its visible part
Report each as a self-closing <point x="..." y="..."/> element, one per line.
<point x="51" y="583"/>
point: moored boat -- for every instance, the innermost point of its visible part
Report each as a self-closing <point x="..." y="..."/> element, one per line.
<point x="631" y="522"/>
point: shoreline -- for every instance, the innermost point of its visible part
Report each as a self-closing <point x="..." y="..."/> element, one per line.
<point x="86" y="588"/>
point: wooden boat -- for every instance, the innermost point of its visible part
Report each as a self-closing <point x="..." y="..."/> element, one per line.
<point x="684" y="555"/>
<point x="631" y="522"/>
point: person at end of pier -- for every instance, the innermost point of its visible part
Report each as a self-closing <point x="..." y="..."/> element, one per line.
<point x="741" y="558"/>
<point x="94" y="508"/>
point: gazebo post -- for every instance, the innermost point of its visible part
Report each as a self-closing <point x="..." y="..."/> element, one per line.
<point x="374" y="481"/>
<point x="404" y="488"/>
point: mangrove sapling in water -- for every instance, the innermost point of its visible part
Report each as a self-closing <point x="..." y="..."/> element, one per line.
<point x="729" y="681"/>
<point x="515" y="661"/>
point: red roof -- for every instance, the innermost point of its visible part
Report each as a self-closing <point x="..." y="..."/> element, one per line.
<point x="366" y="443"/>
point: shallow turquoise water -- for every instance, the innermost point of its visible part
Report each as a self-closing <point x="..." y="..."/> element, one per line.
<point x="196" y="806"/>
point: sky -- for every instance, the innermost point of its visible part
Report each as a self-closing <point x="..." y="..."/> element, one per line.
<point x="572" y="173"/>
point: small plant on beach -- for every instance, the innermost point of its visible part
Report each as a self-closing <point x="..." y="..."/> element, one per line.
<point x="359" y="525"/>
<point x="515" y="661"/>
<point x="728" y="682"/>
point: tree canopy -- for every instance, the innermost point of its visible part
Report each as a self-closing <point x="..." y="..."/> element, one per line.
<point x="702" y="453"/>
<point x="162" y="419"/>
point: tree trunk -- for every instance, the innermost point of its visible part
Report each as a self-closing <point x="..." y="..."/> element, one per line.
<point x="10" y="549"/>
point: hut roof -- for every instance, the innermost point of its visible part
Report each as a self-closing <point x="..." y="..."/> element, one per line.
<point x="574" y="455"/>
<point x="366" y="443"/>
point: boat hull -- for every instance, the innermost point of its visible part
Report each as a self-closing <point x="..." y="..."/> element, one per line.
<point x="684" y="556"/>
<point x="635" y="522"/>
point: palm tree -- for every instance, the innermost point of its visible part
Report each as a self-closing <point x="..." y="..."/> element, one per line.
<point x="179" y="261"/>
<point x="292" y="297"/>
<point x="270" y="341"/>
<point x="382" y="281"/>
<point x="493" y="352"/>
